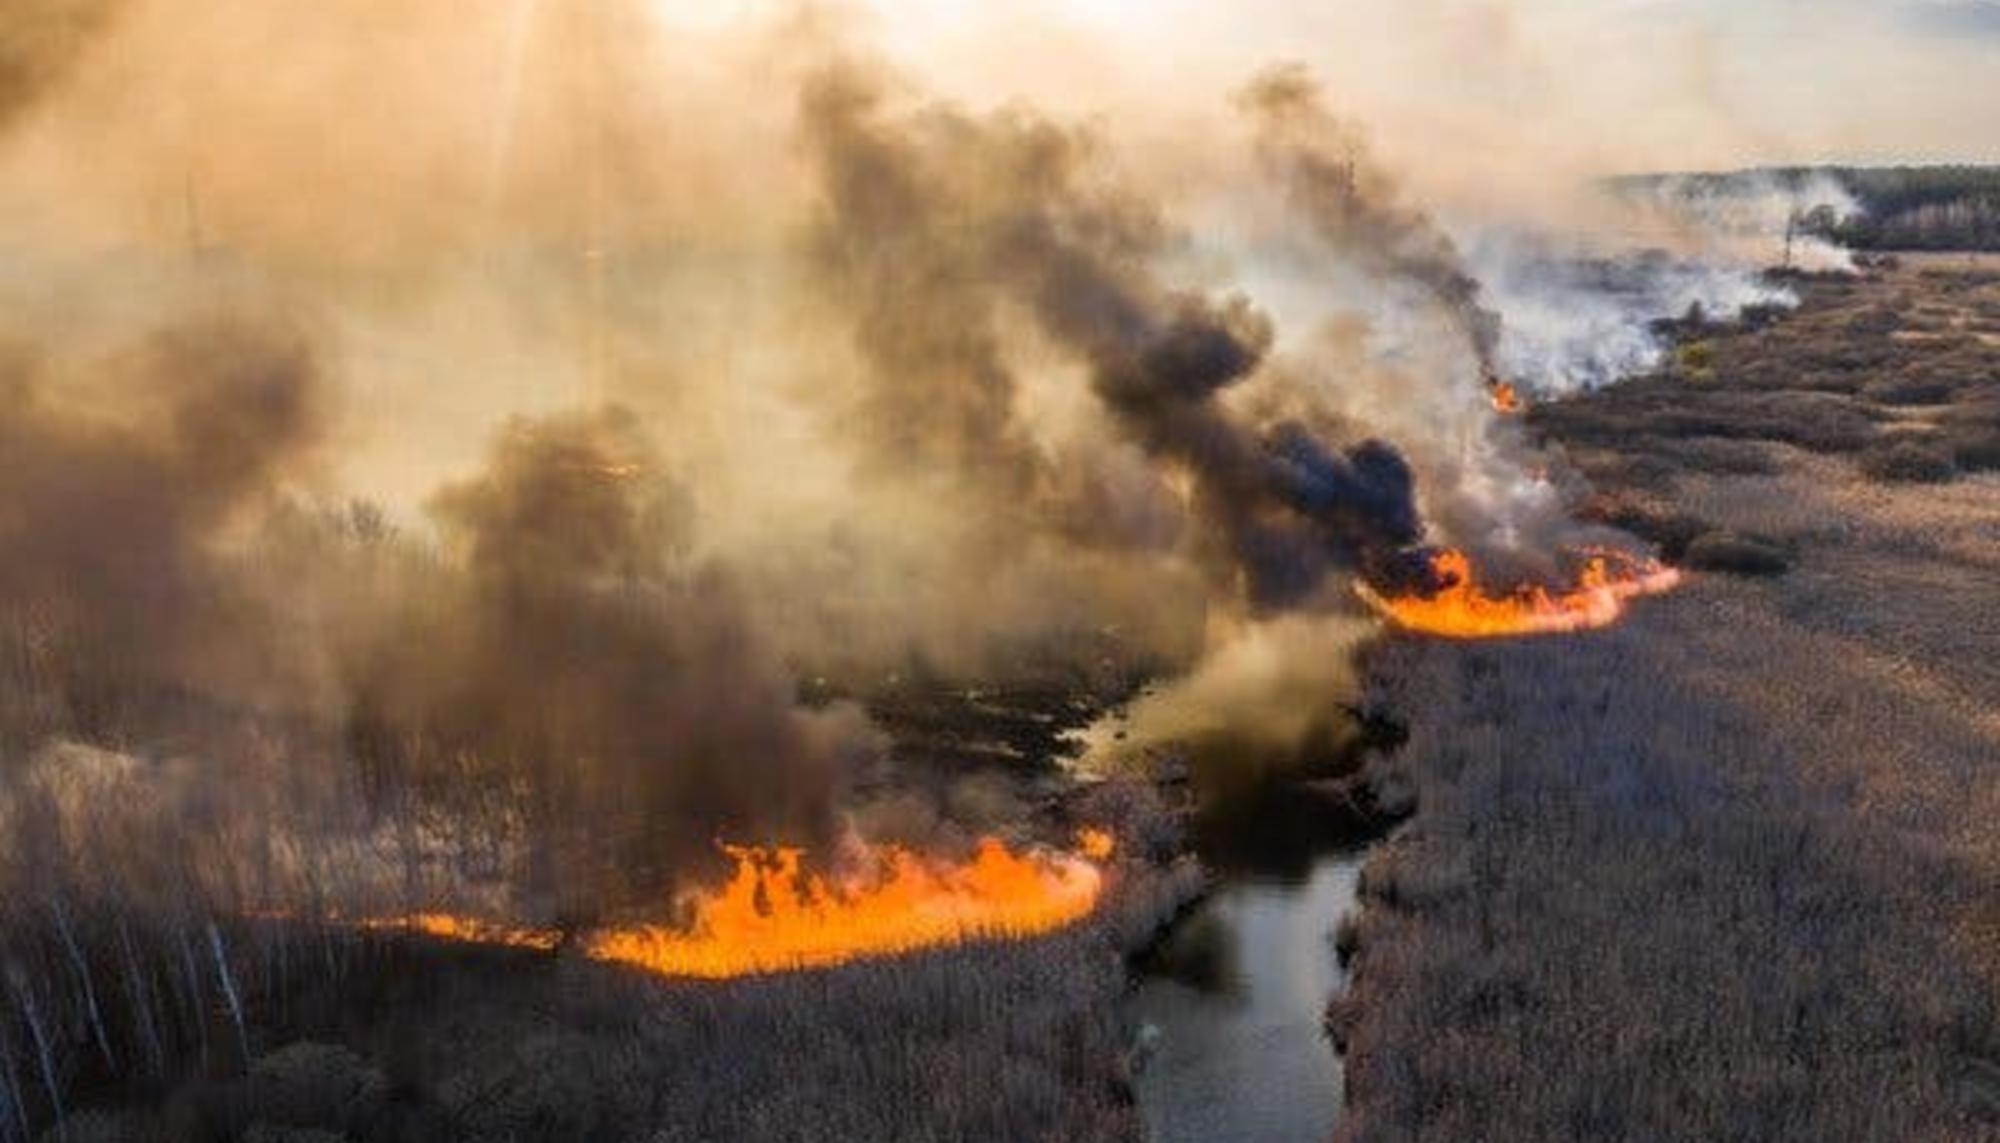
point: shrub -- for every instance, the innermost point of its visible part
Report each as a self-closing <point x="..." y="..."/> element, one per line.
<point x="1975" y="448"/>
<point x="1909" y="462"/>
<point x="1920" y="389"/>
<point x="1671" y="532"/>
<point x="1972" y="431"/>
<point x="1696" y="358"/>
<point x="1732" y="554"/>
<point x="1703" y="896"/>
<point x="1874" y="322"/>
<point x="554" y="1087"/>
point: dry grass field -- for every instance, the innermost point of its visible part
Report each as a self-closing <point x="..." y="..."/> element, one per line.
<point x="1725" y="871"/>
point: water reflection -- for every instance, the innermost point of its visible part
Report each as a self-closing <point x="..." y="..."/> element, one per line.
<point x="1237" y="992"/>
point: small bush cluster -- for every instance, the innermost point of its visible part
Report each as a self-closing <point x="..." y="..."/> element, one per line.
<point x="1734" y="554"/>
<point x="1972" y="431"/>
<point x="1909" y="461"/>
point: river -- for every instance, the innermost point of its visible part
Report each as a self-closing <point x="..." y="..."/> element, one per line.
<point x="1235" y="996"/>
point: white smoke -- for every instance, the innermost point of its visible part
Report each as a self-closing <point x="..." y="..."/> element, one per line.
<point x="1576" y="319"/>
<point x="1582" y="310"/>
<point x="1760" y="216"/>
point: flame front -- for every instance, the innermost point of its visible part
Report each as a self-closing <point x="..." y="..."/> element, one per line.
<point x="1505" y="397"/>
<point x="1461" y="609"/>
<point x="455" y="927"/>
<point x="773" y="917"/>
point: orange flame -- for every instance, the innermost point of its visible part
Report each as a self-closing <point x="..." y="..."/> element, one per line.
<point x="1505" y="397"/>
<point x="453" y="927"/>
<point x="774" y="917"/>
<point x="1464" y="610"/>
<point x="1096" y="844"/>
<point x="771" y="917"/>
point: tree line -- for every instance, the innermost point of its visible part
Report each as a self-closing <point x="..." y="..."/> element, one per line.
<point x="1950" y="207"/>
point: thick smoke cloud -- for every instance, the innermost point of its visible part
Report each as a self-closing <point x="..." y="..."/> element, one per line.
<point x="913" y="391"/>
<point x="115" y="505"/>
<point x="1076" y="252"/>
<point x="581" y="657"/>
<point x="555" y="675"/>
<point x="894" y="248"/>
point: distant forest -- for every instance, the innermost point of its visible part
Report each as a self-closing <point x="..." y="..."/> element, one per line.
<point x="1902" y="208"/>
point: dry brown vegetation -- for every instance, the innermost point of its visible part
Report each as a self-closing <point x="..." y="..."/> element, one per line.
<point x="1897" y="371"/>
<point x="1723" y="872"/>
<point x="126" y="1024"/>
<point x="405" y="1042"/>
<point x="143" y="1001"/>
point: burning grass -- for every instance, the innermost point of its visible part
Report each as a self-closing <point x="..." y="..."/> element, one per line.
<point x="466" y="929"/>
<point x="165" y="1025"/>
<point x="774" y="916"/>
<point x="1463" y="608"/>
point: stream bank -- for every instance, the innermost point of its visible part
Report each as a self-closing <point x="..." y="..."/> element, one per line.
<point x="1229" y="1005"/>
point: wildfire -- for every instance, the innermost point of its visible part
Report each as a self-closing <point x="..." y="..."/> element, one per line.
<point x="772" y="916"/>
<point x="1505" y="397"/>
<point x="452" y="927"/>
<point x="1096" y="844"/>
<point x="1461" y="609"/>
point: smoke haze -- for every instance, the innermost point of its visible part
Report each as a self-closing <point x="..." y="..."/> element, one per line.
<point x="504" y="407"/>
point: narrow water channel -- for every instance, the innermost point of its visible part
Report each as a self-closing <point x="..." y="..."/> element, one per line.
<point x="1233" y="1001"/>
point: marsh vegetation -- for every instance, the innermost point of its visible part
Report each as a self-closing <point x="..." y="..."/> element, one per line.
<point x="1722" y="872"/>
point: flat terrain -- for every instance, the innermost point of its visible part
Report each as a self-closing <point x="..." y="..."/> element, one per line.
<point x="1728" y="870"/>
<point x="388" y="1039"/>
<point x="1724" y="871"/>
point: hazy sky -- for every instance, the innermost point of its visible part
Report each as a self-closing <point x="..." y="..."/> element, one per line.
<point x="1498" y="103"/>
<point x="1605" y="84"/>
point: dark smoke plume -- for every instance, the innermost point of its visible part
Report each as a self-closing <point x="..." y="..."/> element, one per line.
<point x="896" y="252"/>
<point x="1035" y="224"/>
<point x="1283" y="507"/>
<point x="560" y="683"/>
<point x="581" y="659"/>
<point x="117" y="486"/>
<point x="1353" y="203"/>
